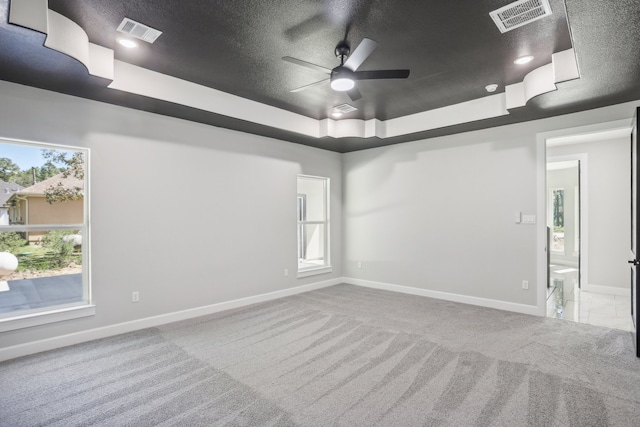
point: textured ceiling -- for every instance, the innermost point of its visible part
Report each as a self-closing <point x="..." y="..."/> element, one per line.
<point x="453" y="50"/>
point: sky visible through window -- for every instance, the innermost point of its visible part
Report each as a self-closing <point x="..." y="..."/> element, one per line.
<point x="25" y="157"/>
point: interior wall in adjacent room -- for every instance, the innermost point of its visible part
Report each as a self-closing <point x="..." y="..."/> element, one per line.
<point x="567" y="180"/>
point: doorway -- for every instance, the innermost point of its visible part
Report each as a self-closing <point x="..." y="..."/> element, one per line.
<point x="586" y="205"/>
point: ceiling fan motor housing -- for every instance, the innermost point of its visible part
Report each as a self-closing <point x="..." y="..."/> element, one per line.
<point x="343" y="50"/>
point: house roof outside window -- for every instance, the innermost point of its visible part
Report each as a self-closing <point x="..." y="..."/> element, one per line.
<point x="8" y="189"/>
<point x="39" y="189"/>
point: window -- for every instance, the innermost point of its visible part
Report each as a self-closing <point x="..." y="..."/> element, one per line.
<point x="313" y="225"/>
<point x="576" y="221"/>
<point x="44" y="227"/>
<point x="557" y="220"/>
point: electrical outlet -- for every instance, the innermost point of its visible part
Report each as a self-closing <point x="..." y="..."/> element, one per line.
<point x="135" y="296"/>
<point x="359" y="264"/>
<point x="286" y="272"/>
<point x="525" y="284"/>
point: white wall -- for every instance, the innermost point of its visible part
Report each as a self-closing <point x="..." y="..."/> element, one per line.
<point x="608" y="177"/>
<point x="187" y="214"/>
<point x="438" y="215"/>
<point x="435" y="214"/>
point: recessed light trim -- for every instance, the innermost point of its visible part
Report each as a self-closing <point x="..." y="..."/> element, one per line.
<point x="491" y="88"/>
<point x="523" y="60"/>
<point x="128" y="43"/>
<point x="336" y="114"/>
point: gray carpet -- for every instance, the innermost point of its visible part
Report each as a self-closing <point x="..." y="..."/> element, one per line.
<point x="345" y="356"/>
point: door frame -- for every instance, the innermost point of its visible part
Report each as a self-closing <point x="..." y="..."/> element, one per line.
<point x="578" y="134"/>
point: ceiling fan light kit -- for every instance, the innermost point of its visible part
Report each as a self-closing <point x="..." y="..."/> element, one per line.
<point x="342" y="79"/>
<point x="342" y="84"/>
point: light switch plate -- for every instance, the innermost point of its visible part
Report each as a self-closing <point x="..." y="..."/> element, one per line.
<point x="528" y="219"/>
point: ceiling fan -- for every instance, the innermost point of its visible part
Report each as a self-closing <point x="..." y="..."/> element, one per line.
<point x="345" y="75"/>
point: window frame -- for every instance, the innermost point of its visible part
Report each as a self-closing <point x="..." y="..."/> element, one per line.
<point x="325" y="222"/>
<point x="56" y="313"/>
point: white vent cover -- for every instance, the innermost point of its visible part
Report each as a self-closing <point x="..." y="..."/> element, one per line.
<point x="344" y="108"/>
<point x="138" y="30"/>
<point x="520" y="13"/>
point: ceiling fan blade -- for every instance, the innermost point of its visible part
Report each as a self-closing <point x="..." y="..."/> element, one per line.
<point x="307" y="27"/>
<point x="306" y="64"/>
<point x="347" y="29"/>
<point x="354" y="94"/>
<point x="361" y="53"/>
<point x="301" y="88"/>
<point x="381" y="74"/>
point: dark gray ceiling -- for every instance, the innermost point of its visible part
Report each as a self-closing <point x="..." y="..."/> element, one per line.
<point x="452" y="48"/>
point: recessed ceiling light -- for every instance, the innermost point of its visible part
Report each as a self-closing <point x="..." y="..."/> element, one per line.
<point x="128" y="43"/>
<point x="491" y="87"/>
<point x="336" y="114"/>
<point x="523" y="60"/>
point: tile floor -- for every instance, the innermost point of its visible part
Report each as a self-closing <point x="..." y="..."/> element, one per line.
<point x="566" y="301"/>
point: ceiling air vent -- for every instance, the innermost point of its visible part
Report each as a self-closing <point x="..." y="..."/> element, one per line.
<point x="138" y="30"/>
<point x="344" y="108"/>
<point x="520" y="13"/>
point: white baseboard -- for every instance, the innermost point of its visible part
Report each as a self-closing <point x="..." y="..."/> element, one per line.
<point x="149" y="322"/>
<point x="465" y="299"/>
<point x="609" y="290"/>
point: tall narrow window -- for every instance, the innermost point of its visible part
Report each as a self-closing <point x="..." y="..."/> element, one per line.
<point x="576" y="222"/>
<point x="557" y="206"/>
<point x="44" y="238"/>
<point x="313" y="225"/>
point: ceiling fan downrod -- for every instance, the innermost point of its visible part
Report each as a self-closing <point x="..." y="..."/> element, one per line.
<point x="342" y="51"/>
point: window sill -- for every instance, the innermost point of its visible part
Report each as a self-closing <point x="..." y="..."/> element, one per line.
<point x="314" y="271"/>
<point x="43" y="318"/>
